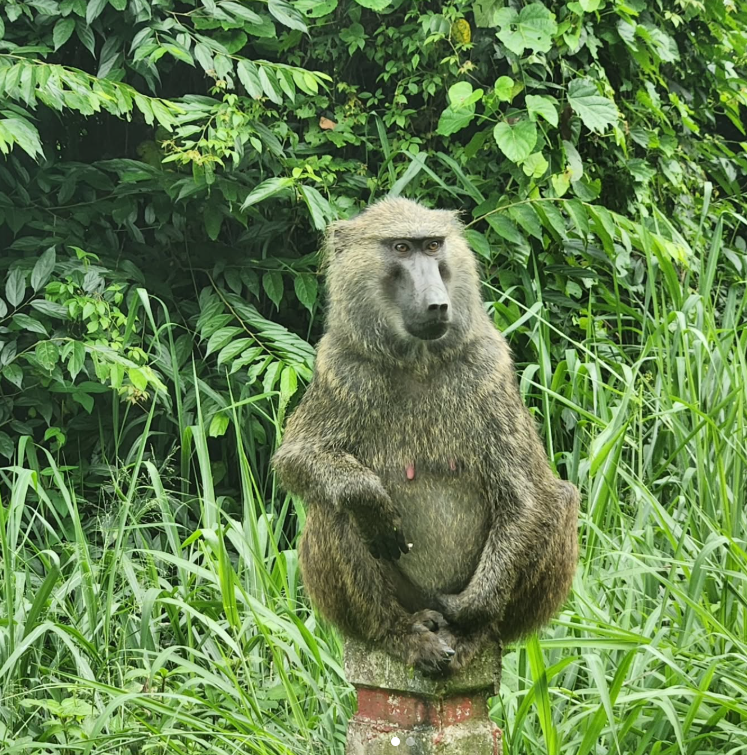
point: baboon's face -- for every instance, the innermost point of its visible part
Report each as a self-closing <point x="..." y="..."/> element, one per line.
<point x="402" y="275"/>
<point x="416" y="282"/>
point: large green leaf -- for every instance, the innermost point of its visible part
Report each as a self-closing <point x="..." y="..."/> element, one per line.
<point x="319" y="208"/>
<point x="267" y="189"/>
<point x="47" y="354"/>
<point x="516" y="141"/>
<point x="287" y="14"/>
<point x="15" y="286"/>
<point x="63" y="30"/>
<point x="531" y="29"/>
<point x="461" y="109"/>
<point x="544" y="106"/>
<point x="43" y="269"/>
<point x="316" y="8"/>
<point x="306" y="287"/>
<point x="596" y="112"/>
<point x="375" y="5"/>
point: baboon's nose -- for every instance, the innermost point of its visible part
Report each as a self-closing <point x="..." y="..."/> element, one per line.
<point x="443" y="307"/>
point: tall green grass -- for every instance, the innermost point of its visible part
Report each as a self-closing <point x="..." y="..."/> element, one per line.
<point x="162" y="617"/>
<point x="650" y="655"/>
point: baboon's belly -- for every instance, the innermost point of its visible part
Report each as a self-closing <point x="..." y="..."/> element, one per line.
<point x="447" y="523"/>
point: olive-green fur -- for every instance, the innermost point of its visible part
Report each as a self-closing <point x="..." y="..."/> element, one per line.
<point x="493" y="531"/>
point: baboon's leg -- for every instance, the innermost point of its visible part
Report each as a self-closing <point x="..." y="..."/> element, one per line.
<point x="350" y="588"/>
<point x="543" y="591"/>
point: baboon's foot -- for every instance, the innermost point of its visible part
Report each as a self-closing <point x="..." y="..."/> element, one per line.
<point x="426" y="643"/>
<point x="466" y="647"/>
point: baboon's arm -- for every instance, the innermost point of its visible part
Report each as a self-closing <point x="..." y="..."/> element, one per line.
<point x="313" y="462"/>
<point x="529" y="503"/>
<point x="515" y="549"/>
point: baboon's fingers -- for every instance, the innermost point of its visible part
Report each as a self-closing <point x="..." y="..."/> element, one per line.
<point x="402" y="545"/>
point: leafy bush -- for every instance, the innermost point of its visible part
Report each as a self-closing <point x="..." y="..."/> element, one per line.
<point x="168" y="168"/>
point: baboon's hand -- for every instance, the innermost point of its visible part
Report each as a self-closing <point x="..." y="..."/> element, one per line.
<point x="386" y="539"/>
<point x="380" y="524"/>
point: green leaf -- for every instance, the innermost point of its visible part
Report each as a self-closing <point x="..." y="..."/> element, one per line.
<point x="249" y="77"/>
<point x="205" y="58"/>
<point x="233" y="349"/>
<point x="119" y="5"/>
<point x="270" y="84"/>
<point x="318" y="206"/>
<point x="316" y="8"/>
<point x="84" y="399"/>
<point x="219" y="425"/>
<point x="63" y="30"/>
<point x="544" y="106"/>
<point x="590" y="5"/>
<point x="29" y="323"/>
<point x="15" y="287"/>
<point x="462" y="95"/>
<point x="575" y="163"/>
<point x="221" y="337"/>
<point x="272" y="282"/>
<point x="504" y="89"/>
<point x="213" y="218"/>
<point x="20" y="131"/>
<point x="505" y="228"/>
<point x="452" y="120"/>
<point x="85" y="35"/>
<point x="578" y="215"/>
<point x="375" y="5"/>
<point x="266" y="189"/>
<point x="306" y="287"/>
<point x="138" y="378"/>
<point x="641" y="170"/>
<point x="535" y="166"/>
<point x="532" y="29"/>
<point x="560" y="183"/>
<point x="242" y="12"/>
<point x="288" y="384"/>
<point x="14" y="374"/>
<point x="517" y="141"/>
<point x="526" y="217"/>
<point x="47" y="354"/>
<point x="596" y="112"/>
<point x="486" y="13"/>
<point x="3" y="308"/>
<point x="94" y="9"/>
<point x="76" y="359"/>
<point x="43" y="269"/>
<point x="6" y="445"/>
<point x="287" y="15"/>
<point x="478" y="243"/>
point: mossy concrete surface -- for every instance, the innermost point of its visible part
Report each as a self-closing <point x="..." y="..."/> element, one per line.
<point x="403" y="712"/>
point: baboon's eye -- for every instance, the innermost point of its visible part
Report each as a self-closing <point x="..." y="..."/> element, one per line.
<point x="401" y="247"/>
<point x="433" y="246"/>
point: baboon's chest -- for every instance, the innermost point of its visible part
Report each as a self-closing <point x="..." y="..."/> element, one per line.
<point x="446" y="517"/>
<point x="426" y="444"/>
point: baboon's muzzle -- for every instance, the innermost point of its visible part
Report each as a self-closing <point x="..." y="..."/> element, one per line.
<point x="424" y="298"/>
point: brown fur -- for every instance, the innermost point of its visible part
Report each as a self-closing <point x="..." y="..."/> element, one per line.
<point x="493" y="531"/>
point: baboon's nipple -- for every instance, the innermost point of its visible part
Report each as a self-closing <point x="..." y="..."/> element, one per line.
<point x="452" y="465"/>
<point x="410" y="471"/>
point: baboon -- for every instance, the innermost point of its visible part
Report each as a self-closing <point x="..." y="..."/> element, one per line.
<point x="434" y="521"/>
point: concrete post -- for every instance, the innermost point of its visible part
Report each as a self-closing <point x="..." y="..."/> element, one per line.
<point x="401" y="712"/>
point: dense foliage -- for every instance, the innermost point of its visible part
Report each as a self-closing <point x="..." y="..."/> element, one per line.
<point x="168" y="169"/>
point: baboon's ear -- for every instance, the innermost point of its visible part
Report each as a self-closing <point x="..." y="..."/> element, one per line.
<point x="455" y="216"/>
<point x="333" y="240"/>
